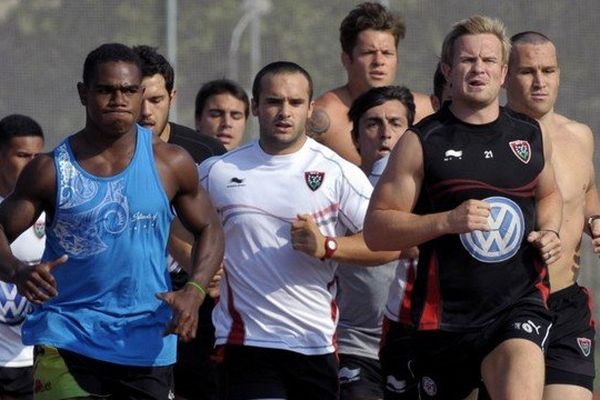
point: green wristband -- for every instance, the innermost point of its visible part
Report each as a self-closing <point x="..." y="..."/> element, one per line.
<point x="199" y="288"/>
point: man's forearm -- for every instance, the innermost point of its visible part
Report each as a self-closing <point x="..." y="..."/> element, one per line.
<point x="207" y="254"/>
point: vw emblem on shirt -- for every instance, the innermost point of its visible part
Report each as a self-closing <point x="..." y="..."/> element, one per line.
<point x="503" y="240"/>
<point x="13" y="306"/>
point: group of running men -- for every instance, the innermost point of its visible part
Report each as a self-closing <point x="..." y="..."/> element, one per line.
<point x="374" y="243"/>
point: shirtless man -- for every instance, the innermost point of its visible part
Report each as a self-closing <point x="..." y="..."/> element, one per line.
<point x="532" y="87"/>
<point x="369" y="36"/>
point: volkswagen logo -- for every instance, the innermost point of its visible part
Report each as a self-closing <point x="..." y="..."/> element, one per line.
<point x="503" y="240"/>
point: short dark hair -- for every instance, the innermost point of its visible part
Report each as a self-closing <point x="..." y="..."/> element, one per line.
<point x="530" y="37"/>
<point x="17" y="125"/>
<point x="109" y="52"/>
<point x="154" y="63"/>
<point x="377" y="96"/>
<point x="527" y="37"/>
<point x="370" y="16"/>
<point x="280" y="67"/>
<point x="439" y="82"/>
<point x="221" y="86"/>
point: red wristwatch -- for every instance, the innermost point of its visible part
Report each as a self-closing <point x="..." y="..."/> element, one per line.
<point x="330" y="247"/>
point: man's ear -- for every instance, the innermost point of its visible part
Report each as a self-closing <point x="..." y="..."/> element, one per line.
<point x="173" y="95"/>
<point x="83" y="92"/>
<point x="254" y="104"/>
<point x="346" y="59"/>
<point x="446" y="70"/>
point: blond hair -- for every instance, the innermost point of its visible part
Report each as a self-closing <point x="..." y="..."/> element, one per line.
<point x="477" y="24"/>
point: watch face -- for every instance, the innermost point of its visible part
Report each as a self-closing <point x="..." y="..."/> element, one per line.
<point x="331" y="244"/>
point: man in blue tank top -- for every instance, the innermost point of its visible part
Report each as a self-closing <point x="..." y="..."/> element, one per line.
<point x="103" y="310"/>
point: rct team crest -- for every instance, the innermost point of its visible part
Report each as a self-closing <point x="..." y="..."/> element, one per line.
<point x="521" y="149"/>
<point x="39" y="228"/>
<point x="314" y="179"/>
<point x="585" y="345"/>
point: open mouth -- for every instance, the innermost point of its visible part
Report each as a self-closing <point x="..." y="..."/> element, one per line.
<point x="476" y="83"/>
<point x="224" y="137"/>
<point x="384" y="150"/>
<point x="283" y="126"/>
<point x="377" y="74"/>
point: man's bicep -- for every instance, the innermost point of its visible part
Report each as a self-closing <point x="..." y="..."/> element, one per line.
<point x="195" y="210"/>
<point x="399" y="186"/>
<point x="33" y="193"/>
<point x="18" y="212"/>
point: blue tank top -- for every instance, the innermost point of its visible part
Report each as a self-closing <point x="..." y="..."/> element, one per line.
<point x="114" y="230"/>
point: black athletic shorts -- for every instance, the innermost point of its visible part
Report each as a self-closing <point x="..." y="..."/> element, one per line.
<point x="196" y="375"/>
<point x="16" y="382"/>
<point x="448" y="364"/>
<point x="570" y="353"/>
<point x="61" y="374"/>
<point x="260" y="373"/>
<point x="360" y="378"/>
<point x="399" y="382"/>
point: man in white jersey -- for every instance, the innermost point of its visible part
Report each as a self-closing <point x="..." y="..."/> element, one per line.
<point x="21" y="139"/>
<point x="532" y="88"/>
<point x="286" y="203"/>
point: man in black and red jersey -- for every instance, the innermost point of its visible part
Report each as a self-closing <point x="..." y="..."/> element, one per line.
<point x="473" y="187"/>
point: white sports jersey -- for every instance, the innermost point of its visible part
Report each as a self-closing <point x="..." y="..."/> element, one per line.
<point x="273" y="296"/>
<point x="28" y="247"/>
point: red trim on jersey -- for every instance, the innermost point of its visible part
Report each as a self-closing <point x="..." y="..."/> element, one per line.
<point x="590" y="306"/>
<point x="542" y="286"/>
<point x="456" y="185"/>
<point x="334" y="315"/>
<point x="322" y="214"/>
<point x="236" y="334"/>
<point x="430" y="317"/>
<point x="404" y="312"/>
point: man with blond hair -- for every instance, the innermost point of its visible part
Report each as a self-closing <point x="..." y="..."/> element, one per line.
<point x="473" y="187"/>
<point x="532" y="88"/>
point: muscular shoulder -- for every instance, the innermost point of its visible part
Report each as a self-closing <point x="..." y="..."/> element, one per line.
<point x="577" y="130"/>
<point x="170" y="154"/>
<point x="334" y="99"/>
<point x="38" y="178"/>
<point x="330" y="112"/>
<point x="423" y="106"/>
<point x="175" y="166"/>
